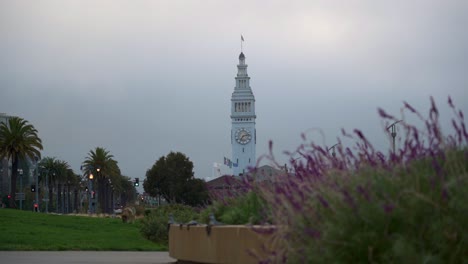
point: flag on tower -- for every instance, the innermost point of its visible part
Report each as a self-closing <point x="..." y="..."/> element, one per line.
<point x="242" y="38"/>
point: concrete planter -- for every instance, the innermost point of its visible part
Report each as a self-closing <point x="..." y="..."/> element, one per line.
<point x="218" y="244"/>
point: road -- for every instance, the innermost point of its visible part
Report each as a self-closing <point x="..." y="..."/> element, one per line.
<point x="100" y="257"/>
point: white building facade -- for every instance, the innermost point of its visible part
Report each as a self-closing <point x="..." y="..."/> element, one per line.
<point x="243" y="133"/>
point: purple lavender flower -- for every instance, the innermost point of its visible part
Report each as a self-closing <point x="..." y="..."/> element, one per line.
<point x="313" y="233"/>
<point x="388" y="207"/>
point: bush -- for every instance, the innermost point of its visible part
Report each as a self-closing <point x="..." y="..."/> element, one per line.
<point x="155" y="224"/>
<point x="139" y="210"/>
<point x="362" y="206"/>
<point x="249" y="208"/>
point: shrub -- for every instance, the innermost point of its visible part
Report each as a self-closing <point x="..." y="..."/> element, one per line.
<point x="248" y="208"/>
<point x="363" y="206"/>
<point x="139" y="210"/>
<point x="154" y="224"/>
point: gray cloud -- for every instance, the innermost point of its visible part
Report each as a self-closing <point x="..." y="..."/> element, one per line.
<point x="144" y="78"/>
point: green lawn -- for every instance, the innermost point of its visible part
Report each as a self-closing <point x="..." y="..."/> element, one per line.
<point x="20" y="230"/>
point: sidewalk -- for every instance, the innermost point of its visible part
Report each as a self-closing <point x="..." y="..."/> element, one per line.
<point x="101" y="257"/>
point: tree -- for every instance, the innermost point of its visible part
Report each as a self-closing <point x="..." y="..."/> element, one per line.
<point x="59" y="175"/>
<point x="47" y="168"/>
<point x="126" y="190"/>
<point x="18" y="141"/>
<point x="101" y="164"/>
<point x="172" y="178"/>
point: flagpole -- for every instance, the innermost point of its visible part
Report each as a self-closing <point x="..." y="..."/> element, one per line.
<point x="242" y="40"/>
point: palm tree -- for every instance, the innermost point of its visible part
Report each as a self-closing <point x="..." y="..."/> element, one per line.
<point x="18" y="140"/>
<point x="61" y="170"/>
<point x="101" y="164"/>
<point x="56" y="171"/>
<point x="47" y="167"/>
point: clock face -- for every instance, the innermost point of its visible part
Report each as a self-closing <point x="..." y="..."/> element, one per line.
<point x="243" y="136"/>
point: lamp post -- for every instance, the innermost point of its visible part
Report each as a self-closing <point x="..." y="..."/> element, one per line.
<point x="57" y="193"/>
<point x="21" y="188"/>
<point x="333" y="149"/>
<point x="91" y="193"/>
<point x="36" y="206"/>
<point x="392" y="130"/>
<point x="67" y="197"/>
<point x="46" y="189"/>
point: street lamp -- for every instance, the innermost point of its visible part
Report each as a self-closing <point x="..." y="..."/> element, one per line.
<point x="91" y="192"/>
<point x="36" y="204"/>
<point x="392" y="130"/>
<point x="333" y="149"/>
<point x="21" y="194"/>
<point x="46" y="187"/>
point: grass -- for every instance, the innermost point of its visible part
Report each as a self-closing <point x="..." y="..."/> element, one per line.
<point x="22" y="230"/>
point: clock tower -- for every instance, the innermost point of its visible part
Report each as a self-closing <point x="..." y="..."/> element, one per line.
<point x="243" y="133"/>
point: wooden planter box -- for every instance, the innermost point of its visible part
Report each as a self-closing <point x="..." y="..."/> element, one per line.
<point x="220" y="244"/>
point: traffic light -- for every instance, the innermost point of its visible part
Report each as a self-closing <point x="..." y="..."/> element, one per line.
<point x="33" y="188"/>
<point x="137" y="182"/>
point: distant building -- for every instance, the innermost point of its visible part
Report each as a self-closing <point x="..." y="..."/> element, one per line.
<point x="223" y="186"/>
<point x="228" y="185"/>
<point x="267" y="172"/>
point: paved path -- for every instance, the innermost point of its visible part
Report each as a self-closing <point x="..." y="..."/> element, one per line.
<point x="100" y="257"/>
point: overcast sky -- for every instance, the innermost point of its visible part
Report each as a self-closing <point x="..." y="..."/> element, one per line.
<point x="143" y="78"/>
